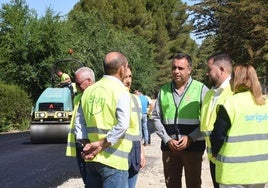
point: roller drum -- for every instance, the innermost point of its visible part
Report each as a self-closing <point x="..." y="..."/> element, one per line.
<point x="49" y="133"/>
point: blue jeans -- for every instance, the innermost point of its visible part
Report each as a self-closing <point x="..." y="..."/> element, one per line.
<point x="103" y="176"/>
<point x="132" y="181"/>
<point x="145" y="128"/>
<point x="81" y="162"/>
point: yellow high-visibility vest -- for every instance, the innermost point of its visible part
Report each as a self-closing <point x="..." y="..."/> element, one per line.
<point x="208" y="115"/>
<point x="243" y="157"/>
<point x="71" y="139"/>
<point x="99" y="104"/>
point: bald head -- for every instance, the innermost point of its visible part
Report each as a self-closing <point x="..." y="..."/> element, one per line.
<point x="113" y="61"/>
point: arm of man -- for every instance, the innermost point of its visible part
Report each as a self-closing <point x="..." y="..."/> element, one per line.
<point x="80" y="127"/>
<point x="118" y="131"/>
<point x="160" y="129"/>
<point x="143" y="159"/>
<point x="123" y="118"/>
<point x="219" y="133"/>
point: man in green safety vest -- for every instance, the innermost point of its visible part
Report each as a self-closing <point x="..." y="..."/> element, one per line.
<point x="176" y="119"/>
<point x="219" y="74"/>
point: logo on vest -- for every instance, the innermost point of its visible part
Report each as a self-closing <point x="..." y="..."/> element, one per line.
<point x="96" y="100"/>
<point x="257" y="117"/>
<point x="187" y="98"/>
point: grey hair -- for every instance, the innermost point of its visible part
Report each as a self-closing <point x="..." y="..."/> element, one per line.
<point x="87" y="72"/>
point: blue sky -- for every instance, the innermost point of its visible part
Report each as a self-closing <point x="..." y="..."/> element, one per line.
<point x="59" y="6"/>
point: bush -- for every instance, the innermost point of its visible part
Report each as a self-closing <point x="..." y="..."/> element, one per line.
<point x="15" y="111"/>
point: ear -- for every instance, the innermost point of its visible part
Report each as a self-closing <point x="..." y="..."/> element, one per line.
<point x="189" y="70"/>
<point x="121" y="72"/>
<point x="221" y="70"/>
<point x="90" y="81"/>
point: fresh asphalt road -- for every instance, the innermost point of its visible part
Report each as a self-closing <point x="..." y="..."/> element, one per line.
<point x="23" y="164"/>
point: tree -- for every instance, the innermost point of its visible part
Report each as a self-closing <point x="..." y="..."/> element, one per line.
<point x="161" y="23"/>
<point x="15" y="108"/>
<point x="29" y="46"/>
<point x="240" y="29"/>
<point x="97" y="38"/>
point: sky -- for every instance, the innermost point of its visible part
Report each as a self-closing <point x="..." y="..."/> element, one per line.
<point x="59" y="6"/>
<point x="62" y="7"/>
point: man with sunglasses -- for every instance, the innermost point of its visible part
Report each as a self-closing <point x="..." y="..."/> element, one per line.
<point x="77" y="137"/>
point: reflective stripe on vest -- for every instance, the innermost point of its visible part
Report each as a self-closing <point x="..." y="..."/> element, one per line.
<point x="247" y="159"/>
<point x="174" y="115"/>
<point x="181" y="121"/>
<point x="105" y="131"/>
<point x="244" y="152"/>
<point x="244" y="138"/>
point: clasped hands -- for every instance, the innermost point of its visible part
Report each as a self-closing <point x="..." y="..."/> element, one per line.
<point x="181" y="144"/>
<point x="92" y="149"/>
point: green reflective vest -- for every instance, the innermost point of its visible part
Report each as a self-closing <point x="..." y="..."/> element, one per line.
<point x="99" y="104"/>
<point x="243" y="158"/>
<point x="71" y="140"/>
<point x="187" y="112"/>
<point x="208" y="115"/>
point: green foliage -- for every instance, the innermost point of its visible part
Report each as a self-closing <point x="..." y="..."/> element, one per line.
<point x="97" y="38"/>
<point x="15" y="108"/>
<point x="29" y="45"/>
<point x="27" y="57"/>
<point x="240" y="29"/>
<point x="206" y="49"/>
<point x="163" y="24"/>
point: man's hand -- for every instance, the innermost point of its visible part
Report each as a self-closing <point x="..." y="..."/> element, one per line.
<point x="184" y="142"/>
<point x="143" y="160"/>
<point x="173" y="144"/>
<point x="92" y="149"/>
<point x="181" y="144"/>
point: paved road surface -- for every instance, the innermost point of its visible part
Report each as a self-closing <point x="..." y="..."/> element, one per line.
<point x="23" y="164"/>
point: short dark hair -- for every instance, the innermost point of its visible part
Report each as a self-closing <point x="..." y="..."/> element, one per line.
<point x="224" y="60"/>
<point x="58" y="70"/>
<point x="181" y="55"/>
<point x="223" y="57"/>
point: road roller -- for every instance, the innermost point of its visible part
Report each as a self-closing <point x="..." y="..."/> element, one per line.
<point x="51" y="116"/>
<point x="53" y="110"/>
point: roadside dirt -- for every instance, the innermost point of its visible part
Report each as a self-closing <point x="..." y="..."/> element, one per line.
<point x="151" y="176"/>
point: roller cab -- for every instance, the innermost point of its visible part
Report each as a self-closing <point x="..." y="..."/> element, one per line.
<point x="51" y="116"/>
